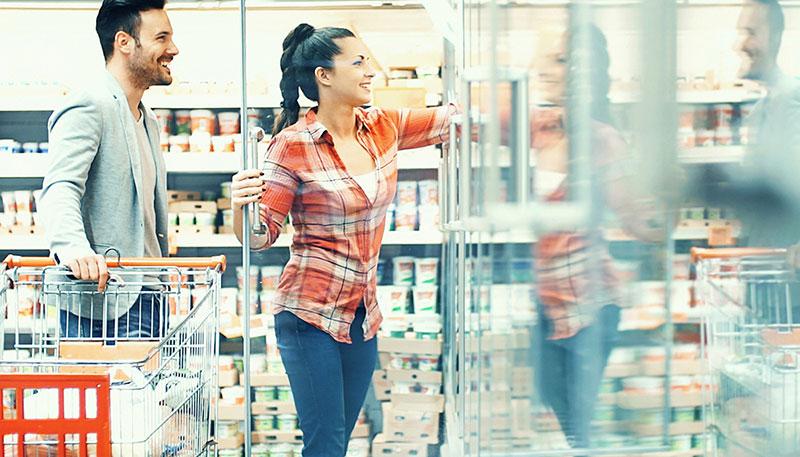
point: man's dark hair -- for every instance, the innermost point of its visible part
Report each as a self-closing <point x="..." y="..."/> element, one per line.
<point x="121" y="16"/>
<point x="776" y="23"/>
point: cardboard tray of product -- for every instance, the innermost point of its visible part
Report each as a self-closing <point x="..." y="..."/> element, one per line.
<point x="193" y="207"/>
<point x="626" y="400"/>
<point x="192" y="230"/>
<point x="360" y="431"/>
<point x="418" y="402"/>
<point x="412" y="376"/>
<point x="278" y="436"/>
<point x="182" y="196"/>
<point x="228" y="378"/>
<point x="226" y="412"/>
<point x="382" y="446"/>
<point x="231" y="442"/>
<point x="381" y="385"/>
<point x="406" y="425"/>
<point x="677" y="368"/>
<point x="409" y="346"/>
<point x="269" y="379"/>
<point x="675" y="428"/>
<point x="273" y="407"/>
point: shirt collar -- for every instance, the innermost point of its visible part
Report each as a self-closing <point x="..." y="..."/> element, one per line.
<point x="320" y="133"/>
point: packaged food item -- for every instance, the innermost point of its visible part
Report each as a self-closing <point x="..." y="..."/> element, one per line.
<point x="202" y="121"/>
<point x="403" y="271"/>
<point x="428" y="192"/>
<point x="426" y="299"/>
<point x="260" y="450"/>
<point x="23" y="200"/>
<point x="723" y="115"/>
<point x="183" y="122"/>
<point x="681" y="443"/>
<point x="407" y="193"/>
<point x="405" y="218"/>
<point x="233" y="394"/>
<point x="686" y="138"/>
<point x="428" y="217"/>
<point x="283" y="393"/>
<point x="393" y="300"/>
<point x="394" y="326"/>
<point x="200" y="142"/>
<point x="228" y="123"/>
<point x="704" y="138"/>
<point x="426" y="271"/>
<point x="264" y="422"/>
<point x="287" y="422"/>
<point x="238" y="363"/>
<point x="185" y="219"/>
<point x="179" y="143"/>
<point x="714" y="214"/>
<point x="275" y="366"/>
<point x="258" y="363"/>
<point x="270" y="277"/>
<point x="227" y="217"/>
<point x="681" y="383"/>
<point x="427" y="363"/>
<point x="623" y="356"/>
<point x="227" y="429"/>
<point x="723" y="136"/>
<point x="205" y="219"/>
<point x="230" y="452"/>
<point x="683" y="415"/>
<point x="686" y="117"/>
<point x="222" y="143"/>
<point x="697" y="213"/>
<point x="30" y="148"/>
<point x="263" y="394"/>
<point x="225" y="190"/>
<point x="44" y="148"/>
<point x="284" y="450"/>
<point x="165" y="119"/>
<point x="646" y="385"/>
<point x="253" y="277"/>
<point x="9" y="146"/>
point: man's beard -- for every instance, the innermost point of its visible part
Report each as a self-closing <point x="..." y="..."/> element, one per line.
<point x="144" y="75"/>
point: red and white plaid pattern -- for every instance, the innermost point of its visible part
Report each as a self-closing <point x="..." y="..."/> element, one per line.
<point x="338" y="230"/>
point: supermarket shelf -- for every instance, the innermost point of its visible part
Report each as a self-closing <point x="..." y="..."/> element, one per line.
<point x="35" y="165"/>
<point x="697" y="96"/>
<point x="712" y="154"/>
<point x="680" y="234"/>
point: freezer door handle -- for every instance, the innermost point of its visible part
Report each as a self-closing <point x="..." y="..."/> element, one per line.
<point x="256" y="135"/>
<point x="447" y="176"/>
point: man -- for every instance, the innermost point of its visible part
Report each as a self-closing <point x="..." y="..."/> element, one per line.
<point x="106" y="186"/>
<point x="771" y="209"/>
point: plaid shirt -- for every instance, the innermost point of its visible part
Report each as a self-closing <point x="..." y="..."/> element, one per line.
<point x="569" y="290"/>
<point x="338" y="230"/>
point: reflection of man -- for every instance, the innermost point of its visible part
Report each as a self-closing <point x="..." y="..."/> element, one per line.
<point x="771" y="214"/>
<point x="106" y="186"/>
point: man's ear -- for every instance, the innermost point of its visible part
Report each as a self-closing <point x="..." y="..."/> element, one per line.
<point x="124" y="43"/>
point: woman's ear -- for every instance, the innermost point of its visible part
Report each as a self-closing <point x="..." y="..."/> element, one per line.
<point x="323" y="76"/>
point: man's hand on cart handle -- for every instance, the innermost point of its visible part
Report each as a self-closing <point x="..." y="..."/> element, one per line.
<point x="90" y="268"/>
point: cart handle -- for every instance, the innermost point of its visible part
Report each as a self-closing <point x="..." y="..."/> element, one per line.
<point x="14" y="261"/>
<point x="732" y="253"/>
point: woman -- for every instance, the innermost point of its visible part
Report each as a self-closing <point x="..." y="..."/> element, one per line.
<point x="576" y="282"/>
<point x="335" y="171"/>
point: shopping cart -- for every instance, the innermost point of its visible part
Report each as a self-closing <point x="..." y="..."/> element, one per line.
<point x="752" y="346"/>
<point x="119" y="389"/>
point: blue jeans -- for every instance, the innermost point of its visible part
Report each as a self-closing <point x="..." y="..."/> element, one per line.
<point x="329" y="380"/>
<point x="569" y="371"/>
<point x="147" y="318"/>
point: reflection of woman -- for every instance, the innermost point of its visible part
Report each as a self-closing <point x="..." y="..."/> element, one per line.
<point x="335" y="170"/>
<point x="576" y="284"/>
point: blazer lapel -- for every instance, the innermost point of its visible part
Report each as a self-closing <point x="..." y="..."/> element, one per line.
<point x="128" y="135"/>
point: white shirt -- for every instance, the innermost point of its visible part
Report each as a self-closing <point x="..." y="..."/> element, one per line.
<point x="369" y="184"/>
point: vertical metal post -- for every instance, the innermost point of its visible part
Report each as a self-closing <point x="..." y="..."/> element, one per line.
<point x="246" y="228"/>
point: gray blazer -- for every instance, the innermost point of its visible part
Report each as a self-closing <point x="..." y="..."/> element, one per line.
<point x="90" y="199"/>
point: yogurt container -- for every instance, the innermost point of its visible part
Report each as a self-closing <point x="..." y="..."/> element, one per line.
<point x="428" y="192"/>
<point x="287" y="422"/>
<point x="407" y="193"/>
<point x="23" y="200"/>
<point x="230" y="452"/>
<point x="283" y="393"/>
<point x="205" y="219"/>
<point x="227" y="429"/>
<point x="165" y="118"/>
<point x="228" y="123"/>
<point x="405" y="218"/>
<point x="202" y="121"/>
<point x="704" y="138"/>
<point x="428" y="217"/>
<point x="264" y="422"/>
<point x="275" y="366"/>
<point x="403" y="271"/>
<point x="185" y="219"/>
<point x="222" y="143"/>
<point x="258" y="363"/>
<point x="648" y="385"/>
<point x="260" y="450"/>
<point x="683" y="414"/>
<point x="425" y="299"/>
<point x="393" y="300"/>
<point x="233" y="394"/>
<point x="426" y="271"/>
<point x="227" y="217"/>
<point x="179" y="143"/>
<point x="394" y="326"/>
<point x="270" y="277"/>
<point x="263" y="394"/>
<point x="30" y="148"/>
<point x="183" y="122"/>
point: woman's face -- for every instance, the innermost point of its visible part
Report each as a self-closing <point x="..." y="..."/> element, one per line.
<point x="350" y="80"/>
<point x="552" y="70"/>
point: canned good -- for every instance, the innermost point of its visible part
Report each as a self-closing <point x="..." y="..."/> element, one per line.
<point x="264" y="422"/>
<point x="287" y="422"/>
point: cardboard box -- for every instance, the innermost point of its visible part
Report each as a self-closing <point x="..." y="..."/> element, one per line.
<point x="399" y="97"/>
<point x="418" y="402"/>
<point x="411" y="376"/>
<point x="269" y="379"/>
<point x="277" y="436"/>
<point x="409" y="346"/>
<point x="195" y="230"/>
<point x="225" y="229"/>
<point x="628" y="400"/>
<point x="675" y="429"/>
<point x="231" y="413"/>
<point x="193" y="207"/>
<point x="223" y="204"/>
<point x="380" y="447"/>
<point x="361" y="431"/>
<point x="678" y="368"/>
<point x="182" y="196"/>
<point x="228" y="378"/>
<point x="274" y="407"/>
<point x="231" y="443"/>
<point x="413" y="426"/>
